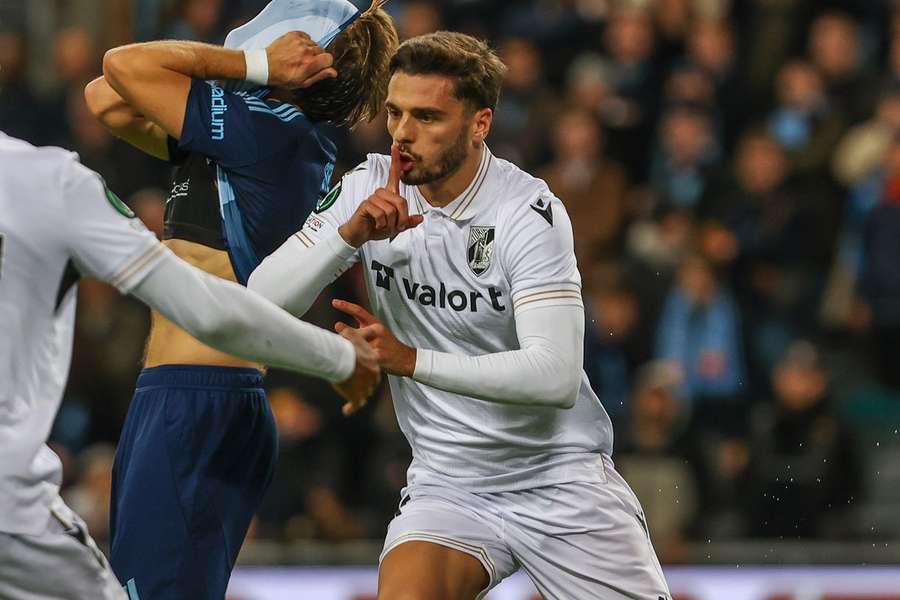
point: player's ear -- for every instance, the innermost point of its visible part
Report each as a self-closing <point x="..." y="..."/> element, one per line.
<point x="482" y="123"/>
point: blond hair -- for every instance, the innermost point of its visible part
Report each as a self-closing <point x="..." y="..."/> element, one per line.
<point x="362" y="54"/>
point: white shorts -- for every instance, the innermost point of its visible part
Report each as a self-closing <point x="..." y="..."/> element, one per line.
<point x="63" y="563"/>
<point x="576" y="541"/>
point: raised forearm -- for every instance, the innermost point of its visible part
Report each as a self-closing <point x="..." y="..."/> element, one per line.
<point x="294" y="275"/>
<point x="189" y="59"/>
<point x="155" y="78"/>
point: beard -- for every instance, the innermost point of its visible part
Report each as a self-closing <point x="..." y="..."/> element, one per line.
<point x="448" y="163"/>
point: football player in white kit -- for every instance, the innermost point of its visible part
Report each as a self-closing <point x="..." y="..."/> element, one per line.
<point x="471" y="273"/>
<point x="57" y="222"/>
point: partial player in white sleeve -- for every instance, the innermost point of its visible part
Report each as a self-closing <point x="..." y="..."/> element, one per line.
<point x="477" y="318"/>
<point x="58" y="221"/>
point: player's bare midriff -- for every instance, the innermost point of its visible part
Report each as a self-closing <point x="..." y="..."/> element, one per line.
<point x="168" y="344"/>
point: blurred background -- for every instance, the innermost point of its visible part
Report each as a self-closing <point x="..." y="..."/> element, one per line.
<point x="732" y="169"/>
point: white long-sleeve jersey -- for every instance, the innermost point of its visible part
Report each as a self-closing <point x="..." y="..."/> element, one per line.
<point x="454" y="286"/>
<point x="58" y="222"/>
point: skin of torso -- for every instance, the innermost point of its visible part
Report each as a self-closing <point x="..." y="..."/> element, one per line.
<point x="168" y="344"/>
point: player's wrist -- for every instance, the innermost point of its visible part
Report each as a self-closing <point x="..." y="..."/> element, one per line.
<point x="257" y="66"/>
<point x="353" y="238"/>
<point x="407" y="366"/>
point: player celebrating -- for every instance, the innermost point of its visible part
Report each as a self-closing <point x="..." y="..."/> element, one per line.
<point x="471" y="273"/>
<point x="252" y="163"/>
<point x="56" y="222"/>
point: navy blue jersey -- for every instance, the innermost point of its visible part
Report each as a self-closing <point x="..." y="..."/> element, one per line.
<point x="263" y="164"/>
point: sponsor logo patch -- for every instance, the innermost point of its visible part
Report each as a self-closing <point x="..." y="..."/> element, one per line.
<point x="217" y="109"/>
<point x="436" y="296"/>
<point x="314" y="223"/>
<point x="543" y="207"/>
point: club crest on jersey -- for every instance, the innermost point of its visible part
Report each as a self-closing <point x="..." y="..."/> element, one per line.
<point x="480" y="248"/>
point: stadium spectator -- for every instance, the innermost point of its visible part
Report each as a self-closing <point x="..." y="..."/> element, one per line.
<point x="783" y="232"/>
<point x="307" y="506"/>
<point x="528" y="104"/>
<point x="700" y="332"/>
<point x="881" y="279"/>
<point x="835" y="48"/>
<point x="629" y="40"/>
<point x="593" y="187"/>
<point x="805" y="121"/>
<point x="686" y="154"/>
<point x="20" y="110"/>
<point x="612" y="347"/>
<point x="805" y="468"/>
<point x="656" y="452"/>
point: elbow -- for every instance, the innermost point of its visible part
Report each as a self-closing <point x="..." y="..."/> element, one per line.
<point x="123" y="65"/>
<point x="102" y="101"/>
<point x="114" y="65"/>
<point x="271" y="285"/>
<point x="93" y="97"/>
<point x="562" y="387"/>
<point x="215" y="328"/>
<point x="259" y="282"/>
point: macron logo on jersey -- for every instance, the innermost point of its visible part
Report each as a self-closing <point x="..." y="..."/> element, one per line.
<point x="217" y="114"/>
<point x="428" y="295"/>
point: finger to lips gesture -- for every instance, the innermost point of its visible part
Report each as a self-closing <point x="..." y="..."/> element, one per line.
<point x="393" y="356"/>
<point x="382" y="215"/>
<point x="295" y="61"/>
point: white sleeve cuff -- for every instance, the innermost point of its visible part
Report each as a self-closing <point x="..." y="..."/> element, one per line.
<point x="338" y="245"/>
<point x="424" y="365"/>
<point x="346" y="363"/>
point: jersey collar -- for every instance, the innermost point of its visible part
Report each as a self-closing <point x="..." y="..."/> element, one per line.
<point x="465" y="206"/>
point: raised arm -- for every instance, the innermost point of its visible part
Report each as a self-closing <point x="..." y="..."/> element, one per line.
<point x="154" y="78"/>
<point x="294" y="275"/>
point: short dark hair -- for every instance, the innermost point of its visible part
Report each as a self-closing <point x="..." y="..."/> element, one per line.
<point x="362" y="53"/>
<point x="477" y="69"/>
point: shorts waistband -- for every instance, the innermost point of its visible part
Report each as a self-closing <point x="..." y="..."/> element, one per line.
<point x="200" y="376"/>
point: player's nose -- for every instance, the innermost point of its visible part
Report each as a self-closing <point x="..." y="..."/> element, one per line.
<point x="404" y="132"/>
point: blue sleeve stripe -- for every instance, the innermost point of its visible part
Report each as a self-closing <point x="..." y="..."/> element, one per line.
<point x="253" y="101"/>
<point x="284" y="109"/>
<point x="285" y="118"/>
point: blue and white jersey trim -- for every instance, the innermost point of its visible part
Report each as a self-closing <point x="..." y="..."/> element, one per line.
<point x="285" y="112"/>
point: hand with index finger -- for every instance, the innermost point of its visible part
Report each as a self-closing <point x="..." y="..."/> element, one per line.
<point x="406" y="221"/>
<point x="393" y="182"/>
<point x="363" y="317"/>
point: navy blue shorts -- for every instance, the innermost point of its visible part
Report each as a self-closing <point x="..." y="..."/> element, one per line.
<point x="196" y="454"/>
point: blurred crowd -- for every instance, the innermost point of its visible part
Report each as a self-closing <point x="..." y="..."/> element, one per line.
<point x="732" y="169"/>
